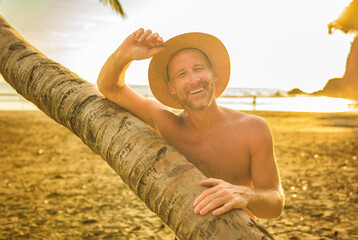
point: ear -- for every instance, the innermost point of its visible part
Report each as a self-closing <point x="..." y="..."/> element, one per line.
<point x="171" y="88"/>
<point x="214" y="75"/>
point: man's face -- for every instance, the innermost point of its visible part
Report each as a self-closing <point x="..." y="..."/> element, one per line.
<point x="191" y="79"/>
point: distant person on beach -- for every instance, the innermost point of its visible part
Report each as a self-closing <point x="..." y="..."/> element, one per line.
<point x="234" y="150"/>
<point x="254" y="102"/>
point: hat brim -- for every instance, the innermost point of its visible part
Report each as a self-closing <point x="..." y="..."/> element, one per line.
<point x="214" y="49"/>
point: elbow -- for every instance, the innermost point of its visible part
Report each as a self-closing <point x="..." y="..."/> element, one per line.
<point x="103" y="88"/>
<point x="100" y="85"/>
<point x="278" y="206"/>
<point x="107" y="88"/>
<point x="277" y="212"/>
<point x="274" y="209"/>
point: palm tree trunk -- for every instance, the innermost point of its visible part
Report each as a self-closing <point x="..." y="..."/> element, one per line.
<point x="154" y="170"/>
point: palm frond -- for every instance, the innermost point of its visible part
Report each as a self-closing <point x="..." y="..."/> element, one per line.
<point x="115" y="5"/>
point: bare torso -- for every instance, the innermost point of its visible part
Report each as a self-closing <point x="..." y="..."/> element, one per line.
<point x="221" y="152"/>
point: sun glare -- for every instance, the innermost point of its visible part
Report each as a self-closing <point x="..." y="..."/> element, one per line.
<point x="290" y="104"/>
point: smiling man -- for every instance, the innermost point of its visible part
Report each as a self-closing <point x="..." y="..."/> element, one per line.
<point x="234" y="150"/>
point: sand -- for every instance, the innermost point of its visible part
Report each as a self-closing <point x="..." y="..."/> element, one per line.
<point x="53" y="187"/>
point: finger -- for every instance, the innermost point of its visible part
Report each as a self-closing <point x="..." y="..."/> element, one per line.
<point x="232" y="204"/>
<point x="151" y="40"/>
<point x="144" y="35"/>
<point x="138" y="33"/>
<point x="160" y="40"/>
<point x="211" y="182"/>
<point x="207" y="200"/>
<point x="225" y="208"/>
<point x="214" y="204"/>
<point x="205" y="194"/>
<point x="152" y="37"/>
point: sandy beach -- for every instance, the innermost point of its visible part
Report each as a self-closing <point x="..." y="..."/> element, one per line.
<point x="53" y="187"/>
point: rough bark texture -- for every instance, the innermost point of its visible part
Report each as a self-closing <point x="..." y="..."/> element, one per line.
<point x="154" y="170"/>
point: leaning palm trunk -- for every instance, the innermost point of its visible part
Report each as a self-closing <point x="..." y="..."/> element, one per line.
<point x="154" y="170"/>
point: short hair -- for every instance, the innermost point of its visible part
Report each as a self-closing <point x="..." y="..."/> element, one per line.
<point x="167" y="78"/>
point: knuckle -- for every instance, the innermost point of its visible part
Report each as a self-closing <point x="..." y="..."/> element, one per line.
<point x="205" y="192"/>
<point x="216" y="202"/>
<point x="222" y="192"/>
<point x="228" y="206"/>
<point x="238" y="203"/>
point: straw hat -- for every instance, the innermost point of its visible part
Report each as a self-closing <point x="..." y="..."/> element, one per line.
<point x="209" y="44"/>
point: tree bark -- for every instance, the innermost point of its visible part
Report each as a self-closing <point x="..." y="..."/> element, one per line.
<point x="153" y="169"/>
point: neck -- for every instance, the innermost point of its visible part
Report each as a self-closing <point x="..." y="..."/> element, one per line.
<point x="203" y="119"/>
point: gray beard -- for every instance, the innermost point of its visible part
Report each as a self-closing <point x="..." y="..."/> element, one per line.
<point x="202" y="105"/>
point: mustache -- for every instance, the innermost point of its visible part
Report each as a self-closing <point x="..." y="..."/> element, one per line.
<point x="197" y="85"/>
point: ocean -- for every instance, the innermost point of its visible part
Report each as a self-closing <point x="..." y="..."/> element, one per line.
<point x="259" y="99"/>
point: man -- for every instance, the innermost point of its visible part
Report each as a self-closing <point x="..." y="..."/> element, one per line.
<point x="233" y="149"/>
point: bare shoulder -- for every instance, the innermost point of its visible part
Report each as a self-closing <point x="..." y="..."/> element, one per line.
<point x="254" y="128"/>
<point x="167" y="121"/>
<point x="245" y="120"/>
<point x="166" y="115"/>
<point x="257" y="134"/>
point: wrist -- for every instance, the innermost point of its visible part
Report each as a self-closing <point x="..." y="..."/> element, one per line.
<point x="121" y="57"/>
<point x="251" y="196"/>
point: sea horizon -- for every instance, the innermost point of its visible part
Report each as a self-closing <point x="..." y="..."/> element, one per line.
<point x="246" y="99"/>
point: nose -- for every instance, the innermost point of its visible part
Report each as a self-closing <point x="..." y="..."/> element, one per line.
<point x="193" y="77"/>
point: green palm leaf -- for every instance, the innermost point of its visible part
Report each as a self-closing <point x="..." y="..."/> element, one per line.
<point x="115" y="5"/>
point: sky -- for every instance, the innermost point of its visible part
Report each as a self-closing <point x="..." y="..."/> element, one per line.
<point x="281" y="44"/>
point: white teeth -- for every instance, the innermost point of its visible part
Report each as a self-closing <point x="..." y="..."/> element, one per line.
<point x="196" y="91"/>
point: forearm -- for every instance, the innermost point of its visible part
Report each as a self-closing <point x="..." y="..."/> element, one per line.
<point x="223" y="197"/>
<point x="111" y="77"/>
<point x="266" y="203"/>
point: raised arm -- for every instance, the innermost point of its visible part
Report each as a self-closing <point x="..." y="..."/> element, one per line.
<point x="139" y="45"/>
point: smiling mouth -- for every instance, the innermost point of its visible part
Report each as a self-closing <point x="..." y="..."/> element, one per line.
<point x="196" y="91"/>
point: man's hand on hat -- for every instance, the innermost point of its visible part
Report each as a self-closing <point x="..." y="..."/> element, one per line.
<point x="221" y="197"/>
<point x="141" y="44"/>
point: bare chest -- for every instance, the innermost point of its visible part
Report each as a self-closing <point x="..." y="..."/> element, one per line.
<point x="222" y="155"/>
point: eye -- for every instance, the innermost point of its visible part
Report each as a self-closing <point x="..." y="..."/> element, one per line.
<point x="181" y="75"/>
